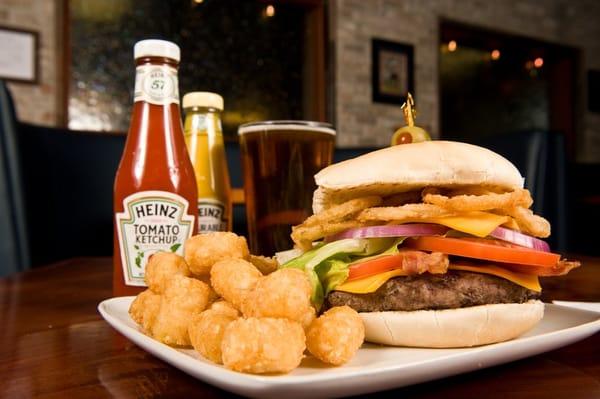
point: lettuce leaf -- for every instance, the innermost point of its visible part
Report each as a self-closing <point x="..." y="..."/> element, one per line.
<point x="392" y="250"/>
<point x="327" y="265"/>
<point x="318" y="296"/>
<point x="332" y="273"/>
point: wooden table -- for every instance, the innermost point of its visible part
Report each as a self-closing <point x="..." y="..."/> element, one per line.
<point x="55" y="345"/>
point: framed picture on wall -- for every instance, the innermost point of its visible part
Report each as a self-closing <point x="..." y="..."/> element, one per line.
<point x="19" y="60"/>
<point x="391" y="71"/>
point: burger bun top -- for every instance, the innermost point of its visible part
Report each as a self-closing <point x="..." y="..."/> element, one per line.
<point x="407" y="167"/>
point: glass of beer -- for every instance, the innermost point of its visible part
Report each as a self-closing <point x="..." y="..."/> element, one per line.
<point x="280" y="159"/>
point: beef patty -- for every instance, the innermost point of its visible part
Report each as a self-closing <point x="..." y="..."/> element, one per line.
<point x="451" y="290"/>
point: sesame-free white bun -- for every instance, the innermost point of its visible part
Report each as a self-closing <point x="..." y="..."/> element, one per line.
<point x="409" y="167"/>
<point x="452" y="328"/>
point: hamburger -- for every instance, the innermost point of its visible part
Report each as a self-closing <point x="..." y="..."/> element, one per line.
<point x="433" y="243"/>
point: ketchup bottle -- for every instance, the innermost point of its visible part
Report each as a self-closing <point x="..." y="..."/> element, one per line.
<point x="155" y="188"/>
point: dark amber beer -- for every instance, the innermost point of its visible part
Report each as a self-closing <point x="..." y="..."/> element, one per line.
<point x="280" y="159"/>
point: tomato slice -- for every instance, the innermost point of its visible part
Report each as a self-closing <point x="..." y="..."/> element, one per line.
<point x="484" y="249"/>
<point x="375" y="266"/>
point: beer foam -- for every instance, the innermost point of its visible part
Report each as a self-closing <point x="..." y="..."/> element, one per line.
<point x="263" y="127"/>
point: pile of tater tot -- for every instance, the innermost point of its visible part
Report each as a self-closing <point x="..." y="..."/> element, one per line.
<point x="240" y="310"/>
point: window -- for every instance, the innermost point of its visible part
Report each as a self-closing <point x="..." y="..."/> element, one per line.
<point x="260" y="57"/>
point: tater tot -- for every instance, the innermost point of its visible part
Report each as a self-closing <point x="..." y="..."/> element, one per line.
<point x="203" y="251"/>
<point x="232" y="279"/>
<point x="212" y="294"/>
<point x="308" y="318"/>
<point x="206" y="333"/>
<point x="183" y="298"/>
<point x="161" y="267"/>
<point x="264" y="264"/>
<point x="225" y="308"/>
<point x="284" y="293"/>
<point x="263" y="345"/>
<point x="144" y="309"/>
<point x="336" y="335"/>
<point x="136" y="309"/>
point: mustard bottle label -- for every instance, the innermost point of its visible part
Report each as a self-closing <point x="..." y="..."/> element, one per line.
<point x="156" y="84"/>
<point x="211" y="216"/>
<point x="152" y="221"/>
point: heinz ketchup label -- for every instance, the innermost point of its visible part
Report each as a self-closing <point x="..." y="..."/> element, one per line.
<point x="152" y="221"/>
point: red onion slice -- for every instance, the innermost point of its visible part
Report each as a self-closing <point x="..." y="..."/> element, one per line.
<point x="520" y="239"/>
<point x="402" y="230"/>
<point x="429" y="229"/>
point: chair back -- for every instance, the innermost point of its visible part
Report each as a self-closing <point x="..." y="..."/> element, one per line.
<point x="14" y="245"/>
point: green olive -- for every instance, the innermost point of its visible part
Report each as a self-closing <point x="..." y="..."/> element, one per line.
<point x="410" y="134"/>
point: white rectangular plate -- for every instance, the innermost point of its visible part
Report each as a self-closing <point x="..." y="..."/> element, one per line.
<point x="591" y="306"/>
<point x="374" y="368"/>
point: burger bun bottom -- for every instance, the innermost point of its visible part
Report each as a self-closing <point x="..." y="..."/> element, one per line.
<point x="452" y="328"/>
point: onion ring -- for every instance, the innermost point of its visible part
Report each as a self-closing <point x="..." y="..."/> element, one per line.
<point x="303" y="236"/>
<point x="409" y="197"/>
<point x="528" y="222"/>
<point x="342" y="211"/>
<point x="486" y="202"/>
<point x="404" y="213"/>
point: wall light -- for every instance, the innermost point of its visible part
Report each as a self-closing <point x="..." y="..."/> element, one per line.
<point x="270" y="10"/>
<point x="495" y="54"/>
<point x="538" y="62"/>
<point x="198" y="1"/>
<point x="452" y="45"/>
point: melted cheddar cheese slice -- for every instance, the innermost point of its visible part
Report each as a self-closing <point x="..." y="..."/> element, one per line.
<point x="369" y="284"/>
<point x="529" y="281"/>
<point x="372" y="283"/>
<point x="479" y="224"/>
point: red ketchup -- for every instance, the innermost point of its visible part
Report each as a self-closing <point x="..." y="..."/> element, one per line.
<point x="155" y="189"/>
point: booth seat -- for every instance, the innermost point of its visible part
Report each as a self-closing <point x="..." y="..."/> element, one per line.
<point x="56" y="187"/>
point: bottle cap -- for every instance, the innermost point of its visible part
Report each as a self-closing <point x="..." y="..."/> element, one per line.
<point x="203" y="99"/>
<point x="156" y="48"/>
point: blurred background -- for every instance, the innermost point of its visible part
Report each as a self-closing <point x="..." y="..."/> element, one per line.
<point x="518" y="76"/>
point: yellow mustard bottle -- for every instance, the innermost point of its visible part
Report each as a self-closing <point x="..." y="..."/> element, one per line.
<point x="204" y="140"/>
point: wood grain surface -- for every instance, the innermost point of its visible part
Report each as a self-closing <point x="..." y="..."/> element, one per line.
<point x="54" y="344"/>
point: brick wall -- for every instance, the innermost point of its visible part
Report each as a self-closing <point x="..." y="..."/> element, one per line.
<point x="38" y="103"/>
<point x="353" y="23"/>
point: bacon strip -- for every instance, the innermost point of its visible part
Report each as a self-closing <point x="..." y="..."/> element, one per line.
<point x="419" y="262"/>
<point x="561" y="268"/>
